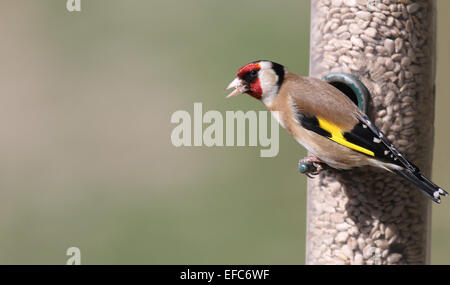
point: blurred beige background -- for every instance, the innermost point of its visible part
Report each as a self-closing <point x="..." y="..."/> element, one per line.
<point x="86" y="157"/>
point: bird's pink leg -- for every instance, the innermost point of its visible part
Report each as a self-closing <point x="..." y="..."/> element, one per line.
<point x="316" y="162"/>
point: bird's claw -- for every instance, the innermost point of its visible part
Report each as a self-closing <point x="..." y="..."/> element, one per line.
<point x="311" y="166"/>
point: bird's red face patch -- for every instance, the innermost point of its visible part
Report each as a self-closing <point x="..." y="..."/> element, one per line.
<point x="249" y="74"/>
<point x="255" y="89"/>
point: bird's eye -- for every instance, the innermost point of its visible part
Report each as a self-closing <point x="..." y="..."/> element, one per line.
<point x="254" y="72"/>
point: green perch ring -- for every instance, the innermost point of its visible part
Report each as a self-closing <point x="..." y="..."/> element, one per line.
<point x="351" y="86"/>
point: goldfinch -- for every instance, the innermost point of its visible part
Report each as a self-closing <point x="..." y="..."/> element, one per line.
<point x="326" y="122"/>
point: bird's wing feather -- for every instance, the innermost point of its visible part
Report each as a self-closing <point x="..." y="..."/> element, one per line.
<point x="390" y="152"/>
<point x="409" y="171"/>
<point x="333" y="132"/>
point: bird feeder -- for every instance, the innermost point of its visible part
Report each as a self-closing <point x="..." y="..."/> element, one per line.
<point x="366" y="215"/>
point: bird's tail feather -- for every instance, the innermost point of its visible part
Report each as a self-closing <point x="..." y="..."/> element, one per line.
<point x="427" y="187"/>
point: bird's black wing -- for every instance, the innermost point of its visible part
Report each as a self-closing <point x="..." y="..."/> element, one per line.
<point x="366" y="131"/>
<point x="364" y="137"/>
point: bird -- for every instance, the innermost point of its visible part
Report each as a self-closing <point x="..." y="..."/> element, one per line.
<point x="326" y="122"/>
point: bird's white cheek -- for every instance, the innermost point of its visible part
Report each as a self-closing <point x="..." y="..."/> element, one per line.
<point x="268" y="80"/>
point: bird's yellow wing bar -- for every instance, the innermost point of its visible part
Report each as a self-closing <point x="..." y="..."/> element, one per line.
<point x="337" y="136"/>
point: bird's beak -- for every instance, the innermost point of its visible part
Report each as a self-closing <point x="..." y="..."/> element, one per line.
<point x="239" y="86"/>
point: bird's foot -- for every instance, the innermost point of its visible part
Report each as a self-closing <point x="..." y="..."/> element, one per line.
<point x="311" y="166"/>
